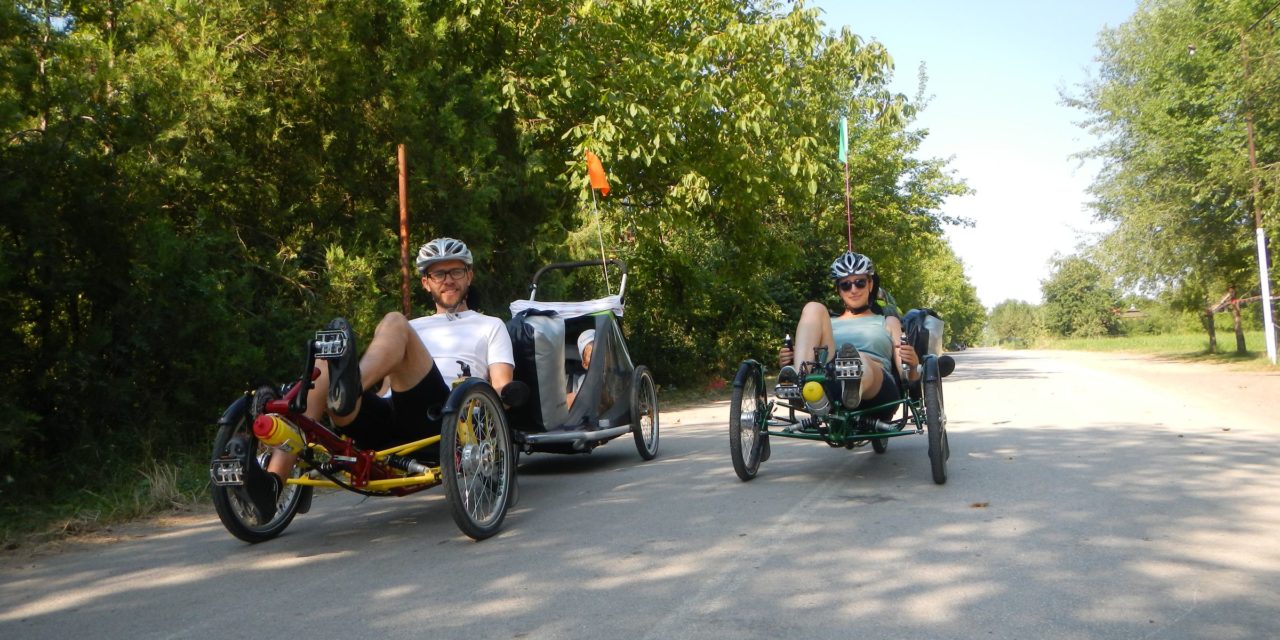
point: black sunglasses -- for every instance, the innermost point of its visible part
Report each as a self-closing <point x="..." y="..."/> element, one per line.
<point x="848" y="285"/>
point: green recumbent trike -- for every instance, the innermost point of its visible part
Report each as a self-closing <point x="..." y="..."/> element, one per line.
<point x="753" y="418"/>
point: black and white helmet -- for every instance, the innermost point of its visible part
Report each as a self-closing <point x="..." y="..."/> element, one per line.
<point x="852" y="264"/>
<point x="440" y="250"/>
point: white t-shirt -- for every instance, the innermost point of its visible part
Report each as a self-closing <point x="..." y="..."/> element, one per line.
<point x="472" y="337"/>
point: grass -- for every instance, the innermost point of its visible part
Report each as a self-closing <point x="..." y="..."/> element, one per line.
<point x="672" y="398"/>
<point x="1191" y="347"/>
<point x="148" y="489"/>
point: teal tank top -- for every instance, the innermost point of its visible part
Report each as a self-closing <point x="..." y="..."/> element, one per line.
<point x="867" y="334"/>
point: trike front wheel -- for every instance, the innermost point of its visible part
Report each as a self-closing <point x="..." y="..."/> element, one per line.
<point x="745" y="419"/>
<point x="477" y="462"/>
<point x="232" y="502"/>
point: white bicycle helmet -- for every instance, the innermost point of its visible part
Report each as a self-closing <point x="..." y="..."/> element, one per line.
<point x="851" y="264"/>
<point x="440" y="250"/>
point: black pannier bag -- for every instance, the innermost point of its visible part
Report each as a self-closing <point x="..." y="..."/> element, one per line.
<point x="923" y="328"/>
<point x="537" y="342"/>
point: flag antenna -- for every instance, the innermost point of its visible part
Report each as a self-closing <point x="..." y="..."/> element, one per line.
<point x="597" y="180"/>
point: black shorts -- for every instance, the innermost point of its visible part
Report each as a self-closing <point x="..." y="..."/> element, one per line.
<point x="404" y="417"/>
<point x="888" y="393"/>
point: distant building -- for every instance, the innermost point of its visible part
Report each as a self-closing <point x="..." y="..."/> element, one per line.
<point x="1132" y="312"/>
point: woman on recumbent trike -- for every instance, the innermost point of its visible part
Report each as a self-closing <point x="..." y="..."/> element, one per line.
<point x="864" y="366"/>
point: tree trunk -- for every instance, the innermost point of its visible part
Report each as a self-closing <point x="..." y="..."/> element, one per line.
<point x="1208" y="325"/>
<point x="1235" y="318"/>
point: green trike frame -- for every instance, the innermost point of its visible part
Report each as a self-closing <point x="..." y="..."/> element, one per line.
<point x="753" y="418"/>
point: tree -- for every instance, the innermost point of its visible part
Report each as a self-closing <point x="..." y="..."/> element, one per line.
<point x="1176" y="179"/>
<point x="947" y="291"/>
<point x="188" y="189"/>
<point x="1014" y="322"/>
<point x="1079" y="299"/>
<point x="716" y="121"/>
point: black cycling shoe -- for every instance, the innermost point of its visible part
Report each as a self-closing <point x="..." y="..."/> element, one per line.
<point x="261" y="487"/>
<point x="344" y="372"/>
<point x="851" y="392"/>
<point x="788" y="387"/>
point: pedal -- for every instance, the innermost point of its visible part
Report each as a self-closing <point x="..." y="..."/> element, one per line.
<point x="226" y="473"/>
<point x="848" y="368"/>
<point x="786" y="391"/>
<point x="330" y="345"/>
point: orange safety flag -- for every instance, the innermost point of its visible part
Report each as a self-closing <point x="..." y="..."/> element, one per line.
<point x="595" y="171"/>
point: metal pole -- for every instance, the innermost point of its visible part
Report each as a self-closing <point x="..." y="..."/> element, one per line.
<point x="1267" y="321"/>
<point x="404" y="233"/>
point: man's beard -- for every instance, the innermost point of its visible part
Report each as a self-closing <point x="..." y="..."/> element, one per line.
<point x="452" y="311"/>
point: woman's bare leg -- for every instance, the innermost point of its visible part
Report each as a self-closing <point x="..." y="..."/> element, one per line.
<point x="814" y="330"/>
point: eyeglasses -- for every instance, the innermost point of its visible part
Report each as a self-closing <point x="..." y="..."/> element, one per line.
<point x="848" y="285"/>
<point x="453" y="274"/>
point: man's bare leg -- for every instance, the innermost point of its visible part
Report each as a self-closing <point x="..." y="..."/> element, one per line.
<point x="395" y="352"/>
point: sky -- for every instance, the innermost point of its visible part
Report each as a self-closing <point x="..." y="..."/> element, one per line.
<point x="996" y="70"/>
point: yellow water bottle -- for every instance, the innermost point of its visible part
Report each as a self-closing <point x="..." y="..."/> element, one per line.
<point x="815" y="397"/>
<point x="274" y="431"/>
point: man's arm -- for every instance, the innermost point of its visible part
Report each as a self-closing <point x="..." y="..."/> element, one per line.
<point x="501" y="356"/>
<point x="500" y="374"/>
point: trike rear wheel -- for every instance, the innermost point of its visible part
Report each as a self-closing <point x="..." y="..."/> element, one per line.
<point x="232" y="503"/>
<point x="936" y="422"/>
<point x="745" y="419"/>
<point x="477" y="462"/>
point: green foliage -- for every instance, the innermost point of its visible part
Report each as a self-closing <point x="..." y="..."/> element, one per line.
<point x="1014" y="323"/>
<point x="188" y="188"/>
<point x="945" y="289"/>
<point x="1079" y="299"/>
<point x="1157" y="318"/>
<point x="1177" y="86"/>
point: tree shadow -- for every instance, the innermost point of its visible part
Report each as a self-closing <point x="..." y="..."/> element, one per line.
<point x="1112" y="530"/>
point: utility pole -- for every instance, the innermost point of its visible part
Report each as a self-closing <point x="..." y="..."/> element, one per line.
<point x="404" y="233"/>
<point x="1264" y="278"/>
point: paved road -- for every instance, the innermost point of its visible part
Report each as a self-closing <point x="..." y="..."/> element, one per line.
<point x="1089" y="497"/>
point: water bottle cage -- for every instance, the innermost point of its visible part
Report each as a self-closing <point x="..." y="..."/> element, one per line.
<point x="848" y="369"/>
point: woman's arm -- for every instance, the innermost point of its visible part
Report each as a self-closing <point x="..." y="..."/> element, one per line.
<point x="902" y="353"/>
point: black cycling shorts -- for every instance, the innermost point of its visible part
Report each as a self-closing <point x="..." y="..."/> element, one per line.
<point x="888" y="393"/>
<point x="404" y="417"/>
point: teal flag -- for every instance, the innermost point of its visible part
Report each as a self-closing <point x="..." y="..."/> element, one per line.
<point x="844" y="140"/>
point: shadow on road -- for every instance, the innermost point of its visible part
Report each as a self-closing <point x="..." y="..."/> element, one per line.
<point x="989" y="364"/>
<point x="1115" y="530"/>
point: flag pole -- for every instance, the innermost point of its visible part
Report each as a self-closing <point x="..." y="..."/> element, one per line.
<point x="848" y="212"/>
<point x="604" y="259"/>
<point x="596" y="179"/>
<point x="844" y="157"/>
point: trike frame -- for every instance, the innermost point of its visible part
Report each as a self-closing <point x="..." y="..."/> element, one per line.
<point x="477" y="459"/>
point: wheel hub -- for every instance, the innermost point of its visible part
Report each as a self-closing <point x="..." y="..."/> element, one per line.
<point x="478" y="459"/>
